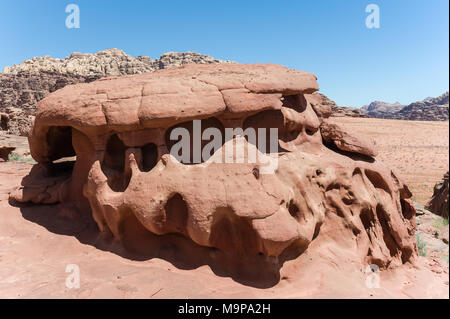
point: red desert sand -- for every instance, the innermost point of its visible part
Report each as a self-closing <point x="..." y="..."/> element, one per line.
<point x="140" y="224"/>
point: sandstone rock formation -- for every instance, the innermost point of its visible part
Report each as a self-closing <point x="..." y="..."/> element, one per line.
<point x="328" y="187"/>
<point x="439" y="202"/>
<point x="345" y="141"/>
<point x="25" y="84"/>
<point x="430" y="109"/>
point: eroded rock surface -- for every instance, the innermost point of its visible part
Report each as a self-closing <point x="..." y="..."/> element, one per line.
<point x="124" y="175"/>
<point x="439" y="202"/>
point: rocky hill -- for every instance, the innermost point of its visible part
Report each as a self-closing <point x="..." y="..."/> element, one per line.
<point x="429" y="109"/>
<point x="339" y="111"/>
<point x="23" y="85"/>
<point x="435" y="109"/>
<point x="381" y="109"/>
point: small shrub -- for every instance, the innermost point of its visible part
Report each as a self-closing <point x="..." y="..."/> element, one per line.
<point x="441" y="222"/>
<point x="421" y="246"/>
<point x="14" y="157"/>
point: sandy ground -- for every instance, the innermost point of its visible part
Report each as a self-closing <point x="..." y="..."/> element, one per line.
<point x="39" y="243"/>
<point x="417" y="150"/>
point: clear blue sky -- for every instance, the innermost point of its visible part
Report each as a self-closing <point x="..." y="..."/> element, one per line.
<point x="405" y="60"/>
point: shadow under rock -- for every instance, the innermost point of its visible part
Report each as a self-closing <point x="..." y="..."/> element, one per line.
<point x="139" y="244"/>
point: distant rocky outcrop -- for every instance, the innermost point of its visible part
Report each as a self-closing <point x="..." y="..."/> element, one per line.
<point x="339" y="111"/>
<point x="435" y="109"/>
<point x="23" y="85"/>
<point x="429" y="109"/>
<point x="381" y="109"/>
<point x="110" y="62"/>
<point x="439" y="202"/>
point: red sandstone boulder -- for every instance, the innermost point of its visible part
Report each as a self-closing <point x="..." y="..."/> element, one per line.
<point x="127" y="178"/>
<point x="333" y="133"/>
<point x="439" y="202"/>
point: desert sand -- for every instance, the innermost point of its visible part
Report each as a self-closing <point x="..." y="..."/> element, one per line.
<point x="37" y="243"/>
<point x="417" y="150"/>
<point x="333" y="221"/>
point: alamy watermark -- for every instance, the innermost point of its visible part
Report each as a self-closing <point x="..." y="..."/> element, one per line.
<point x="373" y="19"/>
<point x="373" y="276"/>
<point x="234" y="148"/>
<point x="73" y="279"/>
<point x="73" y="19"/>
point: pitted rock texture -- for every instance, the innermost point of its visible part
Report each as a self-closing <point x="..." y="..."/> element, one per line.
<point x="337" y="194"/>
<point x="22" y="86"/>
<point x="439" y="202"/>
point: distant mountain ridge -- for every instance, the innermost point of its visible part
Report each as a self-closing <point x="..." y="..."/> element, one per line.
<point x="429" y="109"/>
<point x="23" y="85"/>
<point x="110" y="62"/>
<point x="378" y="108"/>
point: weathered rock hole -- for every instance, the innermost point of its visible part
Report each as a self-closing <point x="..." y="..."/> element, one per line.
<point x="407" y="209"/>
<point x="367" y="218"/>
<point x="149" y="156"/>
<point x="332" y="186"/>
<point x="115" y="153"/>
<point x="255" y="172"/>
<point x="296" y="102"/>
<point x="211" y="122"/>
<point x="233" y="234"/>
<point x="355" y="231"/>
<point x="311" y="130"/>
<point x="176" y="211"/>
<point x="59" y="141"/>
<point x="268" y="119"/>
<point x="387" y="237"/>
<point x="294" y="210"/>
<point x="348" y="199"/>
<point x="61" y="168"/>
<point x="113" y="164"/>
<point x="377" y="180"/>
<point x="316" y="230"/>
